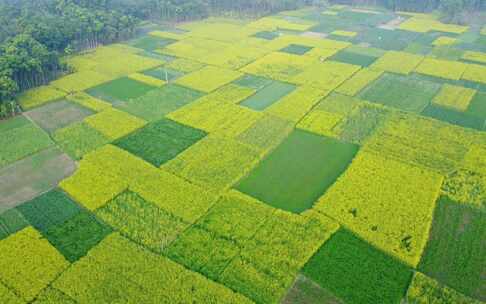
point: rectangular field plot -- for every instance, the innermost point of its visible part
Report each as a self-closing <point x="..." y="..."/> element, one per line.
<point x="49" y="209"/>
<point x="463" y="119"/>
<point x="11" y="221"/>
<point x="298" y="171"/>
<point x="405" y="93"/>
<point x="423" y="289"/>
<point x="351" y="57"/>
<point x="74" y="237"/>
<point x="214" y="162"/>
<point x="356" y="272"/>
<point x="306" y="290"/>
<point x="33" y="175"/>
<point x="113" y="123"/>
<point x="160" y="141"/>
<point x="392" y="215"/>
<point x="163" y="73"/>
<point x="454" y="255"/>
<point x="150" y="43"/>
<point x="54" y="116"/>
<point x="119" y="268"/>
<point x="22" y="269"/>
<point x="20" y="138"/>
<point x="253" y="82"/>
<point x="142" y="221"/>
<point x="157" y="103"/>
<point x="268" y="95"/>
<point x="119" y="90"/>
<point x="78" y="139"/>
<point x="208" y="79"/>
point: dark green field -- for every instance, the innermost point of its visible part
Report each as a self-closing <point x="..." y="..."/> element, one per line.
<point x="299" y="171"/>
<point x="121" y="89"/>
<point x="455" y="253"/>
<point x="356" y="272"/>
<point x="268" y="95"/>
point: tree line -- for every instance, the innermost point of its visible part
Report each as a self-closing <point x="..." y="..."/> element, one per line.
<point x="448" y="7"/>
<point x="34" y="35"/>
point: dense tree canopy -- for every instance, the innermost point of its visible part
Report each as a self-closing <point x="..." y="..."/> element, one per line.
<point x="34" y="34"/>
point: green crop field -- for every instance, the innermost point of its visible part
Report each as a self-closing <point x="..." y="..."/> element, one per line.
<point x="326" y="155"/>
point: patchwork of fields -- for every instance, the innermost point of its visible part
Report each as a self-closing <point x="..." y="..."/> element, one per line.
<point x="316" y="156"/>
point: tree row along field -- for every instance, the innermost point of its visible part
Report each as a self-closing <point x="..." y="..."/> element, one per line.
<point x="319" y="155"/>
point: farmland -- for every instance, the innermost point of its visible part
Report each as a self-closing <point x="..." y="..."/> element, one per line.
<point x="321" y="155"/>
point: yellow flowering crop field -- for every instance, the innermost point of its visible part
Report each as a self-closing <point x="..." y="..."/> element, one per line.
<point x="330" y="154"/>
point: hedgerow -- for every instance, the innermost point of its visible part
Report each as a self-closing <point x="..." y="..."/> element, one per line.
<point x="397" y="62"/>
<point x="78" y="139"/>
<point x="442" y="68"/>
<point x="396" y="221"/>
<point x="22" y="269"/>
<point x="89" y="101"/>
<point x="208" y="78"/>
<point x="39" y="96"/>
<point x="152" y="81"/>
<point x="454" y="97"/>
<point x="117" y="266"/>
<point x="114" y="123"/>
<point x="358" y="82"/>
<point x="296" y="104"/>
<point x="141" y="221"/>
<point x="214" y="162"/>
